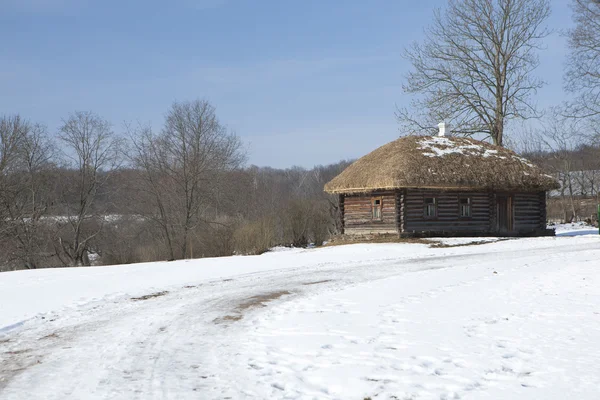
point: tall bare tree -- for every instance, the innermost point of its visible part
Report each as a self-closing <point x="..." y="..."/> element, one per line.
<point x="583" y="64"/>
<point x="93" y="150"/>
<point x="13" y="130"/>
<point x="182" y="170"/>
<point x="25" y="193"/>
<point x="561" y="137"/>
<point x="474" y="69"/>
<point x="31" y="200"/>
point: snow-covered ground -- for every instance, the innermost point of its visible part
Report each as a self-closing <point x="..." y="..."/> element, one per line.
<point x="575" y="229"/>
<point x="511" y="319"/>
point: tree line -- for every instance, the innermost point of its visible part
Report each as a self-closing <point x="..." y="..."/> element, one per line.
<point x="571" y="153"/>
<point x="88" y="196"/>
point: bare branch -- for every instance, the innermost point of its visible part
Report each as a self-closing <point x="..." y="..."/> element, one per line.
<point x="582" y="75"/>
<point x="94" y="151"/>
<point x="475" y="67"/>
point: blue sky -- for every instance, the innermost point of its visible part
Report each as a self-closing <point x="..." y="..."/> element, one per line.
<point x="301" y="82"/>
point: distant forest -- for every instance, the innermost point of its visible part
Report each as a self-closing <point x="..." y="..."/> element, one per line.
<point x="87" y="196"/>
<point x="573" y="157"/>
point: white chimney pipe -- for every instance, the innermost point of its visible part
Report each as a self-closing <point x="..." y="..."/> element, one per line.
<point x="442" y="126"/>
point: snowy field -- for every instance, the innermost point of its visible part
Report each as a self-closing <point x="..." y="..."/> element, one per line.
<point x="507" y="319"/>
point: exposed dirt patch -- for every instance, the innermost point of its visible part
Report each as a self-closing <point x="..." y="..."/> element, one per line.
<point x="260" y="300"/>
<point x="12" y="369"/>
<point x="14" y="362"/>
<point x="4" y="341"/>
<point x="473" y="243"/>
<point x="50" y="336"/>
<point x="343" y="240"/>
<point x="316" y="282"/>
<point x="150" y="296"/>
<point x="15" y="352"/>
<point x="228" y="318"/>
<point x="190" y="286"/>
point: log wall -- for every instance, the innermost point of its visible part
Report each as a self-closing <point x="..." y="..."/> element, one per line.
<point x="493" y="226"/>
<point x="529" y="211"/>
<point x="448" y="218"/>
<point x="403" y="211"/>
<point x="341" y="203"/>
<point x="358" y="214"/>
<point x="543" y="216"/>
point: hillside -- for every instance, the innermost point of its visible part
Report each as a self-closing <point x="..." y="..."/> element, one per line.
<point x="507" y="319"/>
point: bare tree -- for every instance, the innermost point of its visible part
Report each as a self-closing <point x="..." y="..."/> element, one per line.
<point x="583" y="64"/>
<point x="93" y="150"/>
<point x="182" y="170"/>
<point x="562" y="138"/>
<point x="12" y="133"/>
<point x="474" y="68"/>
<point x="32" y="199"/>
<point x="13" y="130"/>
<point x="590" y="171"/>
<point x="146" y="157"/>
<point x="25" y="193"/>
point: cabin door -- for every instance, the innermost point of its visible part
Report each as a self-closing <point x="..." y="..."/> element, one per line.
<point x="505" y="213"/>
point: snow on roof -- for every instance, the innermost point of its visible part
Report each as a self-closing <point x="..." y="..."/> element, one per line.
<point x="442" y="146"/>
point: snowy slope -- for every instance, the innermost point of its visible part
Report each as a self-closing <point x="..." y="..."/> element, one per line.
<point x="575" y="229"/>
<point x="512" y="319"/>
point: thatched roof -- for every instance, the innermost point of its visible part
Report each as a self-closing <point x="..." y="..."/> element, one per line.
<point x="441" y="162"/>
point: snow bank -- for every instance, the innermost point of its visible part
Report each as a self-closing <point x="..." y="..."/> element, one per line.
<point x="488" y="328"/>
<point x="575" y="229"/>
<point x="25" y="294"/>
<point x="514" y="319"/>
<point x="463" y="241"/>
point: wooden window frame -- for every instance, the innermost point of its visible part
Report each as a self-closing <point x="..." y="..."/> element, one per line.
<point x="470" y="204"/>
<point x="426" y="208"/>
<point x="380" y="206"/>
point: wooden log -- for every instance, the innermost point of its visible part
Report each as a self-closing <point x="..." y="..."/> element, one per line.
<point x="341" y="204"/>
<point x="542" y="202"/>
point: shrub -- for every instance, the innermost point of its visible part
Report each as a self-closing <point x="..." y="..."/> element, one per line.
<point x="254" y="237"/>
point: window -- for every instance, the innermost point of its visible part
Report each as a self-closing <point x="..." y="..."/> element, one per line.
<point x="376" y="209"/>
<point x="430" y="210"/>
<point x="464" y="204"/>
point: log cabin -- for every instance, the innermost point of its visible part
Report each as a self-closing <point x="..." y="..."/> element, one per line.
<point x="420" y="186"/>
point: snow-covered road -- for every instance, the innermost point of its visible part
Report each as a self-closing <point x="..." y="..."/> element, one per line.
<point x="512" y="319"/>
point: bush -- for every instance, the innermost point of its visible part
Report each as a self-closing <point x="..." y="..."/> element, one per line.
<point x="254" y="237"/>
<point x="129" y="240"/>
<point x="212" y="241"/>
<point x="306" y="221"/>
